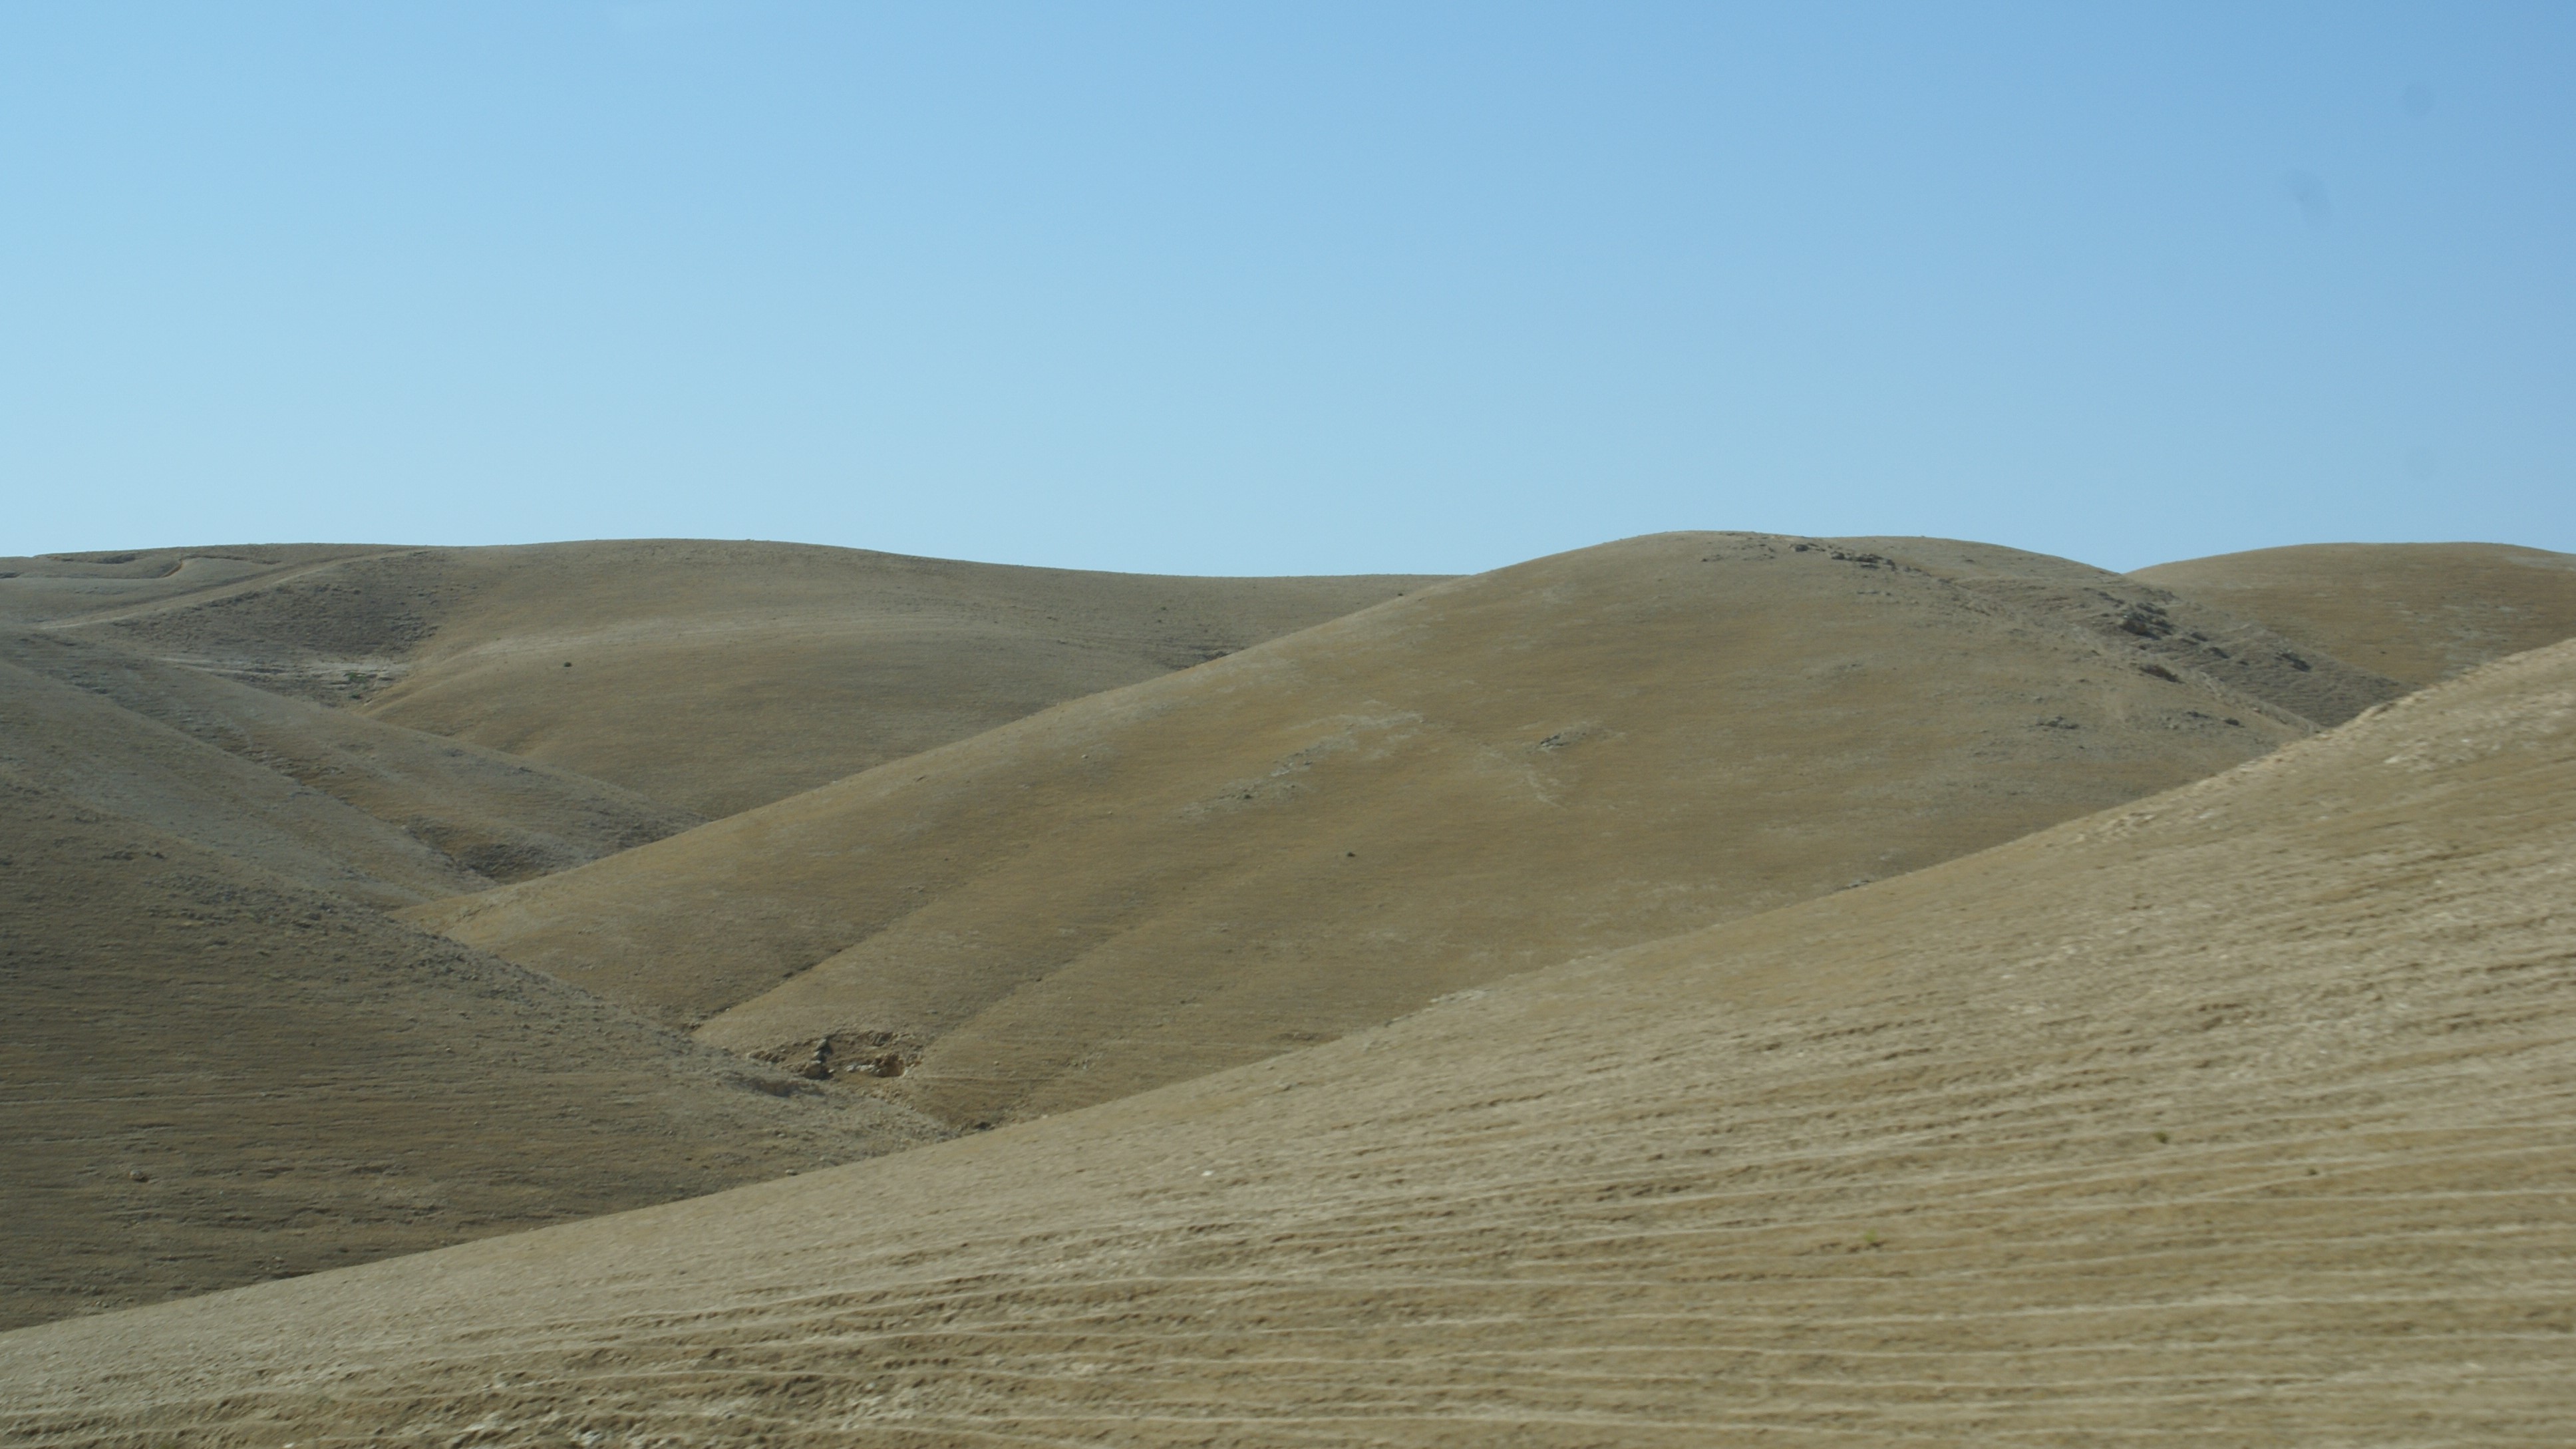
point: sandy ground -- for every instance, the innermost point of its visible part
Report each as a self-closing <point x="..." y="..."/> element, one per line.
<point x="2239" y="1114"/>
<point x="2416" y="612"/>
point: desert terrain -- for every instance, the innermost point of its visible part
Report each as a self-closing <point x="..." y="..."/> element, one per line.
<point x="1704" y="988"/>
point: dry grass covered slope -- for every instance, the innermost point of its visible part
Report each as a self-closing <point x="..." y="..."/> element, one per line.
<point x="73" y="585"/>
<point x="116" y="760"/>
<point x="713" y="676"/>
<point x="2416" y="612"/>
<point x="2234" y="1115"/>
<point x="1565" y="756"/>
<point x="214" y="1075"/>
<point x="2182" y="633"/>
<point x="81" y="716"/>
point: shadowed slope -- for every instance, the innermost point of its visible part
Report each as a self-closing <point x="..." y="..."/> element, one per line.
<point x="1564" y="756"/>
<point x="715" y="676"/>
<point x="116" y="760"/>
<point x="2416" y="612"/>
<point x="212" y="1076"/>
<point x="2238" y="1115"/>
<point x="497" y="817"/>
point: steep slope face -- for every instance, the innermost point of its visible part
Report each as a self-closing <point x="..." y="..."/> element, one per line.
<point x="213" y="1076"/>
<point x="1566" y="756"/>
<point x="715" y="676"/>
<point x="2237" y="1115"/>
<point x="494" y="816"/>
<point x="2416" y="612"/>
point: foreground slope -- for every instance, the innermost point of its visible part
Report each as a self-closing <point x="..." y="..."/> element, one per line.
<point x="1565" y="756"/>
<point x="213" y="1075"/>
<point x="713" y="676"/>
<point x="2237" y="1115"/>
<point x="2416" y="612"/>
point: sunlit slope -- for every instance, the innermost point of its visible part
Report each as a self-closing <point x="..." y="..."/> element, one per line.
<point x="493" y="817"/>
<point x="212" y="1076"/>
<point x="714" y="676"/>
<point x="1565" y="756"/>
<point x="2236" y="1115"/>
<point x="2416" y="612"/>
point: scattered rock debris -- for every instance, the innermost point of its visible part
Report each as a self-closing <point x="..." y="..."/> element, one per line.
<point x="840" y="1056"/>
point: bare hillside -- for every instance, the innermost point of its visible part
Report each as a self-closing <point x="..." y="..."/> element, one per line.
<point x="113" y="759"/>
<point x="1565" y="756"/>
<point x="491" y="816"/>
<point x="75" y="585"/>
<point x="2416" y="612"/>
<point x="214" y="1075"/>
<point x="2183" y="634"/>
<point x="2234" y="1115"/>
<point x="713" y="676"/>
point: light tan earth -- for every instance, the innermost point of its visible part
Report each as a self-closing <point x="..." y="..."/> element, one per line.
<point x="1319" y="833"/>
<point x="712" y="676"/>
<point x="2416" y="612"/>
<point x="229" y="1065"/>
<point x="2236" y="1115"/>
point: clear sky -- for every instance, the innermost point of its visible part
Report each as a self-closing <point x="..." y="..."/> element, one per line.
<point x="1226" y="288"/>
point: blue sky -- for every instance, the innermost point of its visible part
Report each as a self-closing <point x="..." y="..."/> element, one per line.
<point x="1296" y="288"/>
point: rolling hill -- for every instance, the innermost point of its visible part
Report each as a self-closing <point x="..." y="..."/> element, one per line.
<point x="2416" y="612"/>
<point x="1559" y="758"/>
<point x="2235" y="1114"/>
<point x="229" y="1066"/>
<point x="710" y="676"/>
<point x="371" y="810"/>
<point x="215" y="1075"/>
